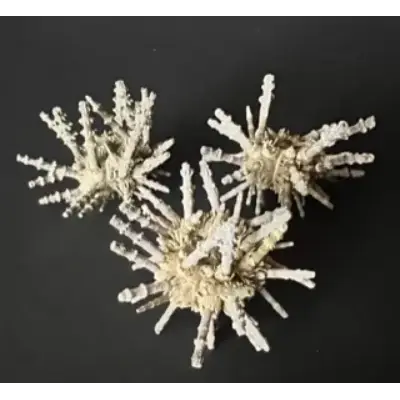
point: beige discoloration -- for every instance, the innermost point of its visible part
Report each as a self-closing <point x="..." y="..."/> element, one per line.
<point x="210" y="262"/>
<point x="289" y="165"/>
<point x="117" y="162"/>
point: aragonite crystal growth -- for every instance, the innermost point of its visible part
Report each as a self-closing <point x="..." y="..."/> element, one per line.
<point x="116" y="162"/>
<point x="288" y="164"/>
<point x="211" y="262"/>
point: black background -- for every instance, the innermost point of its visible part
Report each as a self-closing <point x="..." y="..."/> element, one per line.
<point x="61" y="320"/>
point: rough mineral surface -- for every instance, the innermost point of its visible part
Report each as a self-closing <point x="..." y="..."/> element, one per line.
<point x="211" y="262"/>
<point x="116" y="162"/>
<point x="288" y="164"/>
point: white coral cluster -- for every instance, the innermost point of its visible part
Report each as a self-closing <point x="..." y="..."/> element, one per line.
<point x="290" y="165"/>
<point x="117" y="162"/>
<point x="208" y="261"/>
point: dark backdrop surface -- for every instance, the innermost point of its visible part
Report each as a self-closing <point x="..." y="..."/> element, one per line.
<point x="61" y="320"/>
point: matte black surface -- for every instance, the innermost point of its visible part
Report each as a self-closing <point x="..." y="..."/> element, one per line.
<point x="61" y="319"/>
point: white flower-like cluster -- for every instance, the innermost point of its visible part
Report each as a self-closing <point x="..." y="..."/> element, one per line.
<point x="287" y="164"/>
<point x="117" y="162"/>
<point x="211" y="262"/>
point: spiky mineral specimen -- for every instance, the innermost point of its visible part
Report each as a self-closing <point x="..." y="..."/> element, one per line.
<point x="289" y="165"/>
<point x="116" y="162"/>
<point x="207" y="261"/>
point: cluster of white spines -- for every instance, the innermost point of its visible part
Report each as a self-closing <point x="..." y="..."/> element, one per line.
<point x="116" y="162"/>
<point x="315" y="143"/>
<point x="255" y="247"/>
<point x="121" y="162"/>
